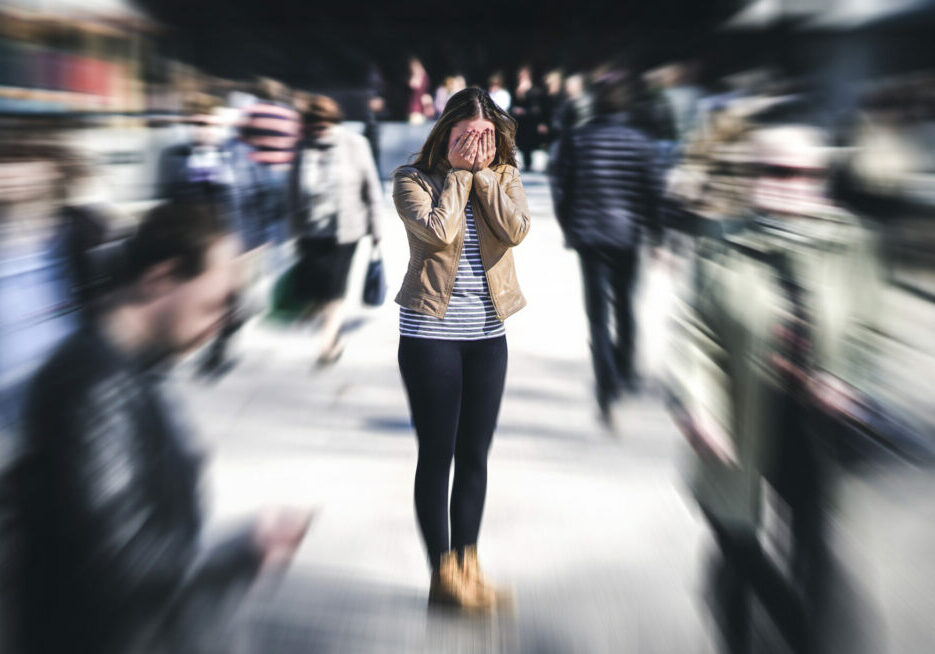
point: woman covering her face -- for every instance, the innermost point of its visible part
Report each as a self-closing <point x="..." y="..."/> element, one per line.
<point x="464" y="209"/>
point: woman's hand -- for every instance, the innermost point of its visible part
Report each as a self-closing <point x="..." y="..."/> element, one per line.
<point x="486" y="151"/>
<point x="463" y="151"/>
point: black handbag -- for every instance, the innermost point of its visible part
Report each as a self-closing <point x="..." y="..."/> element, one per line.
<point x="375" y="281"/>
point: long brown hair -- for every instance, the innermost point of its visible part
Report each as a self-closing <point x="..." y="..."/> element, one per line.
<point x="468" y="104"/>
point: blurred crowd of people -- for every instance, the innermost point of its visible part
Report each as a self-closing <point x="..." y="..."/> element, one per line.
<point x="100" y="472"/>
<point x="790" y="239"/>
<point x="541" y="108"/>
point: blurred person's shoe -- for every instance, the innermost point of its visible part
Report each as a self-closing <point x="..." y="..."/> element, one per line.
<point x="606" y="418"/>
<point x="216" y="362"/>
<point x="633" y="385"/>
<point x="609" y="422"/>
<point x="223" y="368"/>
<point x="330" y="355"/>
<point x="449" y="589"/>
<point x="470" y="568"/>
<point x="605" y="413"/>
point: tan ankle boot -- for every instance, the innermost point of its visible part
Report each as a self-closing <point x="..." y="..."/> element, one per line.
<point x="448" y="587"/>
<point x="474" y="577"/>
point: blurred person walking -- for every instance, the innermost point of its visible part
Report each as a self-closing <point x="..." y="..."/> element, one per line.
<point x="577" y="108"/>
<point x="204" y="169"/>
<point x="335" y="197"/>
<point x="262" y="156"/>
<point x="464" y="209"/>
<point x="109" y="553"/>
<point x="88" y="241"/>
<point x="527" y="110"/>
<point x="498" y="93"/>
<point x="201" y="168"/>
<point x="264" y="153"/>
<point x="375" y="111"/>
<point x="552" y="99"/>
<point x="453" y="84"/>
<point x="419" y="92"/>
<point x="606" y="200"/>
<point x="45" y="272"/>
<point x="776" y="356"/>
<point x="683" y="95"/>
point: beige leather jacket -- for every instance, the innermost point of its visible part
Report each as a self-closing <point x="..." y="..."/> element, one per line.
<point x="431" y="206"/>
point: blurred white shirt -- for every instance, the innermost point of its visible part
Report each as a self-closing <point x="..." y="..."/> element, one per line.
<point x="502" y="98"/>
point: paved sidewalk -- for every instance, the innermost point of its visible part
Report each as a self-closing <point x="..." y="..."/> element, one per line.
<point x="593" y="532"/>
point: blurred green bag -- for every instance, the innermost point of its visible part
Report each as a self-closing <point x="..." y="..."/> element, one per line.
<point x="285" y="307"/>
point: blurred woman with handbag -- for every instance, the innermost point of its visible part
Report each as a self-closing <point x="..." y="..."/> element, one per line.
<point x="335" y="198"/>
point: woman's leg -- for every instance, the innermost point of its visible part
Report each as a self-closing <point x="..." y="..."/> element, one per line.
<point x="431" y="371"/>
<point x="332" y="314"/>
<point x="484" y="374"/>
<point x="335" y="281"/>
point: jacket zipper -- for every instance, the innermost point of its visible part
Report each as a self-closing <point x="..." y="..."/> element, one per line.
<point x="452" y="274"/>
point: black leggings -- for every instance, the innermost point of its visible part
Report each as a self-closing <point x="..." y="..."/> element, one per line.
<point x="454" y="390"/>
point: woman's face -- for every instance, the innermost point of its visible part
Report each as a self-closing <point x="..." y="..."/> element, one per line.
<point x="464" y="126"/>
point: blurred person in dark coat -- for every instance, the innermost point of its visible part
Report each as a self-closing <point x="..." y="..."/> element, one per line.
<point x="552" y="99"/>
<point x="527" y="110"/>
<point x="606" y="199"/>
<point x="109" y="554"/>
<point x="39" y="308"/>
<point x="376" y="110"/>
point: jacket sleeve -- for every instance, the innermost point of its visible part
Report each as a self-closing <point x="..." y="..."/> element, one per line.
<point x="436" y="225"/>
<point x="371" y="190"/>
<point x="102" y="471"/>
<point x="505" y="209"/>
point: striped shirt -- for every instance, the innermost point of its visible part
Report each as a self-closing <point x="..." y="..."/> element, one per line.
<point x="471" y="315"/>
<point x="273" y="130"/>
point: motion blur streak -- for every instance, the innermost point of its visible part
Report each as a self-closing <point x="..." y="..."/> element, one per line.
<point x="718" y="426"/>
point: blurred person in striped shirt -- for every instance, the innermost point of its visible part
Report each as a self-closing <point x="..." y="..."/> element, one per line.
<point x="262" y="157"/>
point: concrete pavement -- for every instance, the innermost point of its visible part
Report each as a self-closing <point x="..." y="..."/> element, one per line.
<point x="592" y="531"/>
